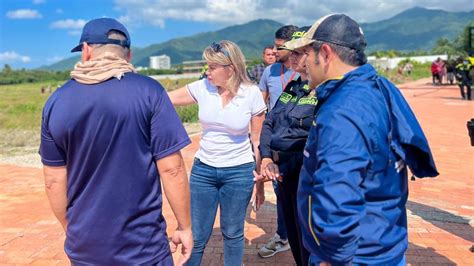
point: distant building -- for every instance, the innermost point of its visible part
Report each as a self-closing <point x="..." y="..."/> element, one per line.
<point x="193" y="66"/>
<point x="196" y="66"/>
<point x="160" y="62"/>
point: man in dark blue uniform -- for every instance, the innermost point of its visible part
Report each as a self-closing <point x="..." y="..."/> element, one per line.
<point x="272" y="83"/>
<point x="282" y="141"/>
<point x="464" y="78"/>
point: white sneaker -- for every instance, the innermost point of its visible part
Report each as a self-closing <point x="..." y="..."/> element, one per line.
<point x="274" y="245"/>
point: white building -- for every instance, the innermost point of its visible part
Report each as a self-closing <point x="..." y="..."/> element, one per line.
<point x="160" y="62"/>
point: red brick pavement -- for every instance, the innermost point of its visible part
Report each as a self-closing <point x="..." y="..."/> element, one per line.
<point x="440" y="209"/>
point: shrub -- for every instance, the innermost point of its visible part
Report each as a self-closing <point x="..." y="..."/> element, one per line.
<point x="188" y="114"/>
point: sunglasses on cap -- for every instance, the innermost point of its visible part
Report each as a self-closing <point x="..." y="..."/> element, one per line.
<point x="217" y="47"/>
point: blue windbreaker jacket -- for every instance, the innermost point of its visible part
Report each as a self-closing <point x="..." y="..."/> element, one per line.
<point x="353" y="184"/>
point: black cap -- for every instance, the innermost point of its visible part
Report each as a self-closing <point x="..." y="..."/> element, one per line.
<point x="337" y="29"/>
<point x="342" y="30"/>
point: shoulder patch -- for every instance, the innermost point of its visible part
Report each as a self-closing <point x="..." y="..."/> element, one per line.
<point x="285" y="97"/>
<point x="311" y="100"/>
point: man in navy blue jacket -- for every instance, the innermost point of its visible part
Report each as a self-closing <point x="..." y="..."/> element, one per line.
<point x="353" y="184"/>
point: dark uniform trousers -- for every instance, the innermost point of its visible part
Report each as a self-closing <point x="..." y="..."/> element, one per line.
<point x="289" y="164"/>
<point x="464" y="80"/>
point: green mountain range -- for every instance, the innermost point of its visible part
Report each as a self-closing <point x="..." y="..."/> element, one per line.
<point x="413" y="29"/>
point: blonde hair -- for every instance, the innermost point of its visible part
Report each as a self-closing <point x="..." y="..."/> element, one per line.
<point x="229" y="54"/>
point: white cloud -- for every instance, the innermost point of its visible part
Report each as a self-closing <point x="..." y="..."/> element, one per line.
<point x="37" y="2"/>
<point x="69" y="24"/>
<point x="12" y="57"/>
<point x="54" y="59"/>
<point x="300" y="12"/>
<point x="74" y="32"/>
<point x="24" y="14"/>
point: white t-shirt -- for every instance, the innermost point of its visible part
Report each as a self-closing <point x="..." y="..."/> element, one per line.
<point x="225" y="140"/>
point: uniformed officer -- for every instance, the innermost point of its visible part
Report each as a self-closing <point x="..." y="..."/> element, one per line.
<point x="282" y="142"/>
<point x="463" y="77"/>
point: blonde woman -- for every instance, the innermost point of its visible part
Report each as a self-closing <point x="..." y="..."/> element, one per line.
<point x="229" y="104"/>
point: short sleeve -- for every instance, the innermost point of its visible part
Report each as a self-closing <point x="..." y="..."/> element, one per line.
<point x="168" y="135"/>
<point x="196" y="89"/>
<point x="51" y="154"/>
<point x="257" y="103"/>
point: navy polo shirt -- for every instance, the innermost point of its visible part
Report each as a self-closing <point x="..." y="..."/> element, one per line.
<point x="109" y="136"/>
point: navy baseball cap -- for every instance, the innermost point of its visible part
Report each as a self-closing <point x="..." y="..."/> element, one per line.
<point x="337" y="29"/>
<point x="97" y="30"/>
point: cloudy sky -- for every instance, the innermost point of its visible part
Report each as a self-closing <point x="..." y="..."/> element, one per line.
<point x="39" y="32"/>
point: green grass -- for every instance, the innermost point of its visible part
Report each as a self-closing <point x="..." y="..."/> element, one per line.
<point x="419" y="71"/>
<point x="21" y="105"/>
<point x="188" y="114"/>
<point x="171" y="85"/>
<point x="20" y="114"/>
<point x="20" y="117"/>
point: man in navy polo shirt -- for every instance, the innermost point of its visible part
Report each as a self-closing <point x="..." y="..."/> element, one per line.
<point x="108" y="137"/>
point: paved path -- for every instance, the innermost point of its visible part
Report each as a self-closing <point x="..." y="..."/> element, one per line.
<point x="441" y="210"/>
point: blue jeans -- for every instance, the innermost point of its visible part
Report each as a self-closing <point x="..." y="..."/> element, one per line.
<point x="231" y="189"/>
<point x="281" y="228"/>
